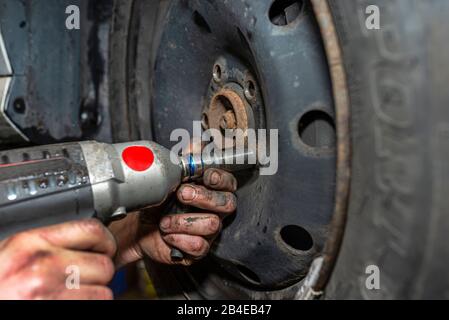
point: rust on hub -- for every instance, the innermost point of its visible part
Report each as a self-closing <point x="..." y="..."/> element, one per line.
<point x="227" y="111"/>
<point x="228" y="120"/>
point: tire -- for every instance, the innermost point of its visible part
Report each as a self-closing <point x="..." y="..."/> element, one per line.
<point x="398" y="215"/>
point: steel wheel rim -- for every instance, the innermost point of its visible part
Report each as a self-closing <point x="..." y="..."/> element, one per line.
<point x="276" y="282"/>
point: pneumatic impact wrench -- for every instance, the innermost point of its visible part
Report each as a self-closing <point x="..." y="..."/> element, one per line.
<point x="52" y="184"/>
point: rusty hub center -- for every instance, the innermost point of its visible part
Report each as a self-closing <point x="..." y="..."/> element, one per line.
<point x="227" y="111"/>
<point x="228" y="108"/>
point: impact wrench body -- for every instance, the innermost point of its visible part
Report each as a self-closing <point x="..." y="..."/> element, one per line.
<point x="52" y="184"/>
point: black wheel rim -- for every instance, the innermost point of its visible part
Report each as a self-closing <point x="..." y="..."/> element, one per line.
<point x="282" y="220"/>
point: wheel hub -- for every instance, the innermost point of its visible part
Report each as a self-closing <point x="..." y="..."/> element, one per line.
<point x="230" y="102"/>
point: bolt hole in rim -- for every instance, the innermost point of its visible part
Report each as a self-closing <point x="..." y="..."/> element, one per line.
<point x="284" y="12"/>
<point x="296" y="237"/>
<point x="316" y="129"/>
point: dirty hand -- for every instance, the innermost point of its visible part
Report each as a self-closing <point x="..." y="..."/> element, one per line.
<point x="37" y="264"/>
<point x="192" y="233"/>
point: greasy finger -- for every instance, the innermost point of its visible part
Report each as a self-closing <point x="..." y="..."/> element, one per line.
<point x="158" y="250"/>
<point x="200" y="197"/>
<point x="195" y="246"/>
<point x="220" y="180"/>
<point x="191" y="223"/>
